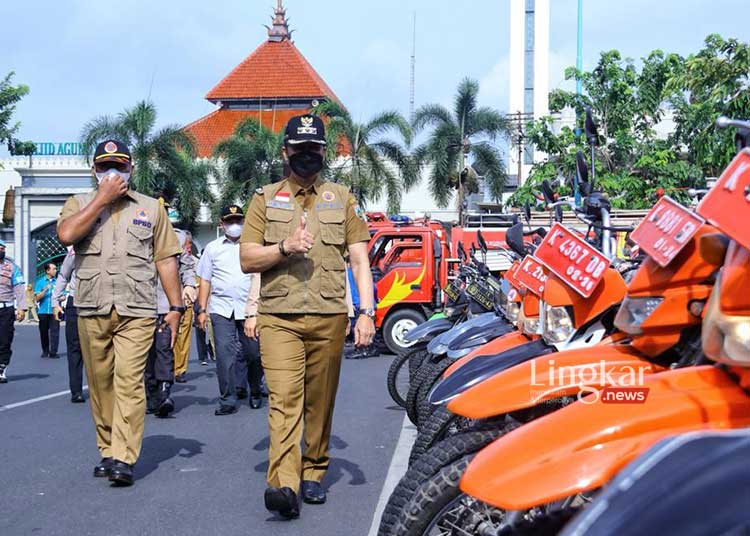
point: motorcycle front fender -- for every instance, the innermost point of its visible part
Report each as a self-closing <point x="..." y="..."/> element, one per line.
<point x="483" y="368"/>
<point x="699" y="480"/>
<point x="479" y="335"/>
<point x="501" y="344"/>
<point x="584" y="445"/>
<point x="439" y="346"/>
<point x="545" y="376"/>
<point x="426" y="331"/>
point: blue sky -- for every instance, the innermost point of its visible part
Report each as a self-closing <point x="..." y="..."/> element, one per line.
<point x="86" y="58"/>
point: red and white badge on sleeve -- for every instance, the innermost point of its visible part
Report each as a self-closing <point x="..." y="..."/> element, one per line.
<point x="666" y="230"/>
<point x="727" y="205"/>
<point x="578" y="264"/>
<point x="532" y="275"/>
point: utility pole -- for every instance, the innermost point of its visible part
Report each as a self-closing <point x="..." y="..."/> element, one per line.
<point x="579" y="90"/>
<point x="412" y="88"/>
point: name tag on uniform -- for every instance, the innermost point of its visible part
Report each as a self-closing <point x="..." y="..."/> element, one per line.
<point x="279" y="204"/>
<point x="329" y="206"/>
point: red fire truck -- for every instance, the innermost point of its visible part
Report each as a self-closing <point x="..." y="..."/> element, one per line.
<point x="412" y="262"/>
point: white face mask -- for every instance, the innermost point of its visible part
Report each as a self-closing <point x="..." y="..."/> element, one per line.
<point x="113" y="173"/>
<point x="233" y="230"/>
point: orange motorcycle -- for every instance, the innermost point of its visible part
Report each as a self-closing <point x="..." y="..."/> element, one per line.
<point x="535" y="477"/>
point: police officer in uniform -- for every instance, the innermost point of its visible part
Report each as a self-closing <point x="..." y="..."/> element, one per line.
<point x="12" y="286"/>
<point x="123" y="240"/>
<point x="296" y="233"/>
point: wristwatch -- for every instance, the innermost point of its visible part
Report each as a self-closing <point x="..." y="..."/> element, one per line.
<point x="368" y="312"/>
<point x="283" y="250"/>
<point x="177" y="308"/>
<point x="200" y="311"/>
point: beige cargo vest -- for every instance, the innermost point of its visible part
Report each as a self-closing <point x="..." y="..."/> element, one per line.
<point x="315" y="283"/>
<point x="114" y="263"/>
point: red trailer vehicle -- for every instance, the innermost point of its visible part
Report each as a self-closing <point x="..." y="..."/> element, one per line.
<point x="412" y="262"/>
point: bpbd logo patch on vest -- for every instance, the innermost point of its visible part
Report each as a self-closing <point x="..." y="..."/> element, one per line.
<point x="141" y="218"/>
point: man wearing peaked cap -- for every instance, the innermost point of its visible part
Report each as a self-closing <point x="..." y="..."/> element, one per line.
<point x="296" y="234"/>
<point x="222" y="279"/>
<point x="123" y="241"/>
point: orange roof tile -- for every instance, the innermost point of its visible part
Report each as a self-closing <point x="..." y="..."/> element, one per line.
<point x="273" y="70"/>
<point x="220" y="124"/>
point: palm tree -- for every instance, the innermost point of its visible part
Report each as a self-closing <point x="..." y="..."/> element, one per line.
<point x="468" y="132"/>
<point x="373" y="166"/>
<point x="188" y="187"/>
<point x="155" y="153"/>
<point x="252" y="158"/>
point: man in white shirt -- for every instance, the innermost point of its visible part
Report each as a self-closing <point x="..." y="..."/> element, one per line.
<point x="222" y="279"/>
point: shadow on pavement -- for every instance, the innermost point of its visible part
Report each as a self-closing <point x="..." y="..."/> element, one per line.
<point x="182" y="402"/>
<point x="160" y="448"/>
<point x="21" y="377"/>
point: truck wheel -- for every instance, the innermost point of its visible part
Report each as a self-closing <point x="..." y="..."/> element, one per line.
<point x="396" y="326"/>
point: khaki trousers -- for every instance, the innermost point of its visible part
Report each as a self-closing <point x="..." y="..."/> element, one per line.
<point x="182" y="343"/>
<point x="114" y="351"/>
<point x="301" y="356"/>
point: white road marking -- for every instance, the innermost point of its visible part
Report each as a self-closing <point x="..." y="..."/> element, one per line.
<point x="397" y="469"/>
<point x="37" y="399"/>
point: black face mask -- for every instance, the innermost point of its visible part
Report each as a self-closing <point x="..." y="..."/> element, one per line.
<point x="306" y="164"/>
<point x="2" y="256"/>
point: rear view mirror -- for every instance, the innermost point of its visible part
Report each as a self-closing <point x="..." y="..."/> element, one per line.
<point x="482" y="243"/>
<point x="514" y="239"/>
<point x="592" y="134"/>
<point x="582" y="174"/>
<point x="461" y="252"/>
<point x="548" y="192"/>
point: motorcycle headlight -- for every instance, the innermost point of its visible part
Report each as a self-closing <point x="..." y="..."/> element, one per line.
<point x="512" y="307"/>
<point x="633" y="312"/>
<point x="558" y="325"/>
<point x="512" y="310"/>
<point x="530" y="325"/>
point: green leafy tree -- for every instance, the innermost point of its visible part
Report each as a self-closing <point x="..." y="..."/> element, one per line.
<point x="458" y="136"/>
<point x="372" y="165"/>
<point x="632" y="162"/>
<point x="10" y="95"/>
<point x="713" y="82"/>
<point x="155" y="152"/>
<point x="251" y="159"/>
<point x="189" y="188"/>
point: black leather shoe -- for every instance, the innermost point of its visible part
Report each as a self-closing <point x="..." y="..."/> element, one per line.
<point x="166" y="404"/>
<point x="241" y="394"/>
<point x="121" y="473"/>
<point x="282" y="500"/>
<point x="256" y="402"/>
<point x="180" y="378"/>
<point x="54" y="356"/>
<point x="44" y="354"/>
<point x="225" y="410"/>
<point x="313" y="492"/>
<point x="77" y="398"/>
<point x="103" y="468"/>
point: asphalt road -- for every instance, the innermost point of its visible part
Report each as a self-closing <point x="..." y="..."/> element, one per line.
<point x="197" y="474"/>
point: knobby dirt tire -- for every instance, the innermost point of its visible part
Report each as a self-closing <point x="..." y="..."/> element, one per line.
<point x="442" y="454"/>
<point x="425" y="370"/>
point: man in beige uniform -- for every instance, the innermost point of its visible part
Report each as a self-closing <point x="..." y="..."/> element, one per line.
<point x="296" y="232"/>
<point x="121" y="240"/>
